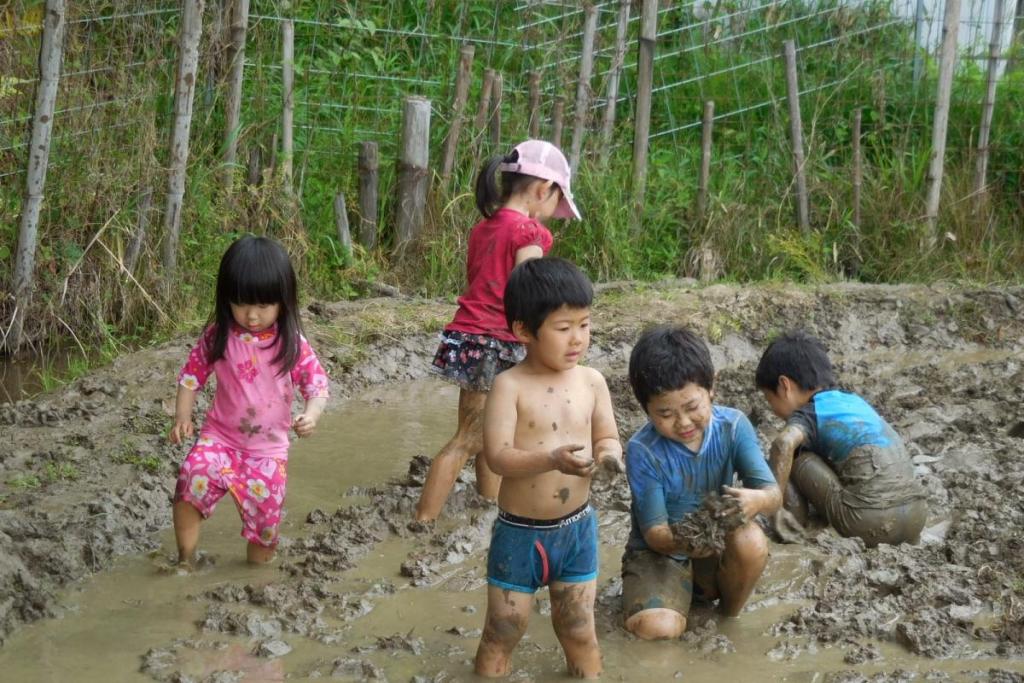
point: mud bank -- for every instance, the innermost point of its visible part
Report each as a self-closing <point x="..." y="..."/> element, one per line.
<point x="87" y="477"/>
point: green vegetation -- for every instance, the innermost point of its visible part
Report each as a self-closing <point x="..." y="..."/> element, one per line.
<point x="52" y="473"/>
<point x="92" y="205"/>
<point x="129" y="455"/>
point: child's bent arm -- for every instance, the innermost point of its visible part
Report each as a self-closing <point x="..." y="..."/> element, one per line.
<point x="604" y="433"/>
<point x="183" y="404"/>
<point x="305" y="422"/>
<point x="661" y="539"/>
<point x="780" y="458"/>
<point x="528" y="252"/>
<point x="766" y="499"/>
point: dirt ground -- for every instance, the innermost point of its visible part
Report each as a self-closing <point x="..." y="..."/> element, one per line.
<point x="87" y="475"/>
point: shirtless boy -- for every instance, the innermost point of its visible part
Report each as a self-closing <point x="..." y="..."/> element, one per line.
<point x="548" y="424"/>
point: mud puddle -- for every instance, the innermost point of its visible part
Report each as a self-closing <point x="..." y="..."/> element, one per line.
<point x="85" y="476"/>
<point x="388" y="626"/>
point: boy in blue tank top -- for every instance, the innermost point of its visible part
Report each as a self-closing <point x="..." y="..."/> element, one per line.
<point x="835" y="451"/>
<point x="689" y="449"/>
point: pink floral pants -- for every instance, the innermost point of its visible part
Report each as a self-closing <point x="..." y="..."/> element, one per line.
<point x="257" y="486"/>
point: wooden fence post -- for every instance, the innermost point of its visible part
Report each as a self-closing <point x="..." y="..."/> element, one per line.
<point x="341" y="226"/>
<point x="368" y="189"/>
<point x="495" y="118"/>
<point x="233" y="108"/>
<point x="796" y="135"/>
<point x="582" y="110"/>
<point x="557" y="119"/>
<point x="858" y="168"/>
<point x="608" y="125"/>
<point x="462" y="78"/>
<point x="131" y="257"/>
<point x="981" y="163"/>
<point x="534" y="115"/>
<point x="642" y="118"/>
<point x="1016" y="38"/>
<point x="483" y="108"/>
<point x="918" y="49"/>
<point x="50" y="53"/>
<point x="707" y="126"/>
<point x="184" y="95"/>
<point x="950" y="31"/>
<point x="254" y="174"/>
<point x="288" y="108"/>
<point x="413" y="169"/>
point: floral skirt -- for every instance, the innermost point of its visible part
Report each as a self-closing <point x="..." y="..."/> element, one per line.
<point x="473" y="360"/>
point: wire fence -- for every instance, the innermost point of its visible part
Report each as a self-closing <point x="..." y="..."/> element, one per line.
<point x="356" y="61"/>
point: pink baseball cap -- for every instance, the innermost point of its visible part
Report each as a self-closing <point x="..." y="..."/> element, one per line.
<point x="541" y="159"/>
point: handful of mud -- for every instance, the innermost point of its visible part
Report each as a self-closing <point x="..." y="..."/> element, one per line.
<point x="703" y="532"/>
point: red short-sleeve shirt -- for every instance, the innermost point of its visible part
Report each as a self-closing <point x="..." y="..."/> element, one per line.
<point x="493" y="244"/>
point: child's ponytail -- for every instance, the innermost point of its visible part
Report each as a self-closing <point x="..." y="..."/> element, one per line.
<point x="488" y="193"/>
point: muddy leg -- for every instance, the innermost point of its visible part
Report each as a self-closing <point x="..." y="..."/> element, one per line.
<point x="572" y="615"/>
<point x="507" y="615"/>
<point x="186" y="531"/>
<point x="743" y="561"/>
<point x="794" y="503"/>
<point x="816" y="481"/>
<point x="258" y="554"/>
<point x="448" y="462"/>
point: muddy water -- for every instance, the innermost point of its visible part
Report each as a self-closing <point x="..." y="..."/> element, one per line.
<point x="111" y="620"/>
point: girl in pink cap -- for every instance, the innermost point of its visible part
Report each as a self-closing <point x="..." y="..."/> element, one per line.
<point x="255" y="348"/>
<point x="477" y="344"/>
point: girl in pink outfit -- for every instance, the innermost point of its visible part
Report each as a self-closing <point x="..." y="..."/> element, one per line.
<point x="254" y="346"/>
<point x="477" y="344"/>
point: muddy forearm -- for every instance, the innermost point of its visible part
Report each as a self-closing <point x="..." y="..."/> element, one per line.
<point x="771" y="499"/>
<point x="315" y="406"/>
<point x="183" y="404"/>
<point x="514" y="462"/>
<point x="780" y="458"/>
<point x="661" y="539"/>
<point x="608" y="447"/>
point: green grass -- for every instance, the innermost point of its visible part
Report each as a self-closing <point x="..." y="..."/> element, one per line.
<point x="128" y="455"/>
<point x="91" y="211"/>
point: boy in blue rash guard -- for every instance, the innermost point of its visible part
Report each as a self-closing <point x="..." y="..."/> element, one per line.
<point x="688" y="449"/>
<point x="836" y="452"/>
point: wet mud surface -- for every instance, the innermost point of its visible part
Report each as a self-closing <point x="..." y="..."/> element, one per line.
<point x="704" y="531"/>
<point x="87" y="476"/>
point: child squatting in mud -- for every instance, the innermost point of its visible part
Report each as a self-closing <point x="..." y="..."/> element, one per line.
<point x="849" y="463"/>
<point x="548" y="424"/>
<point x="255" y="348"/>
<point x="688" y="451"/>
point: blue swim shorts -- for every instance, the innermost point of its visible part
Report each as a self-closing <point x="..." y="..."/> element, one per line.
<point x="528" y="553"/>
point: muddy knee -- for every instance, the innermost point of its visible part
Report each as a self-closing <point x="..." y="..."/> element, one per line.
<point x="504" y="630"/>
<point x="656" y="624"/>
<point x="747" y="545"/>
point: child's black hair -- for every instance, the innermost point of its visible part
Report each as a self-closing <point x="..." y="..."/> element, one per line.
<point x="489" y="197"/>
<point x="257" y="270"/>
<point x="537" y="287"/>
<point x="799" y="356"/>
<point x="667" y="358"/>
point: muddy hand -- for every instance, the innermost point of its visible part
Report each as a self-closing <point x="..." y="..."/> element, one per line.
<point x="567" y="460"/>
<point x="303" y="425"/>
<point x="613" y="463"/>
<point x="742" y="500"/>
<point x="180" y="431"/>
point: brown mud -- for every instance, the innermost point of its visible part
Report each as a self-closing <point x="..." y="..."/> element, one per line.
<point x="703" y="532"/>
<point x="87" y="476"/>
